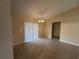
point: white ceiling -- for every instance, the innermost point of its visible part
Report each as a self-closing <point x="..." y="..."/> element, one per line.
<point x="42" y="9"/>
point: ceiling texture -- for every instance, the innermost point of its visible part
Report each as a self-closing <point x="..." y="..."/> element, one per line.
<point x="41" y="9"/>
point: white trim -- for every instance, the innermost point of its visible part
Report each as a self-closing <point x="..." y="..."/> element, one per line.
<point x="75" y="44"/>
<point x="18" y="43"/>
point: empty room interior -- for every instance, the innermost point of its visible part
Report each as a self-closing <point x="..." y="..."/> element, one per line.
<point x="39" y="29"/>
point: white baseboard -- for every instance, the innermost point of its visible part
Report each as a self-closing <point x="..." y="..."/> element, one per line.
<point x="17" y="43"/>
<point x="75" y="44"/>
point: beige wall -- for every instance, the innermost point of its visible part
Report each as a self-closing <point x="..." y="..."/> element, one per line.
<point x="41" y="29"/>
<point x="48" y="26"/>
<point x="18" y="28"/>
<point x="6" y="49"/>
<point x="69" y="26"/>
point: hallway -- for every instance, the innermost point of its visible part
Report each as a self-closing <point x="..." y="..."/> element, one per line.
<point x="46" y="49"/>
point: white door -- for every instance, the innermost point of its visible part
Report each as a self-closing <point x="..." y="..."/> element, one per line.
<point x="31" y="31"/>
<point x="35" y="31"/>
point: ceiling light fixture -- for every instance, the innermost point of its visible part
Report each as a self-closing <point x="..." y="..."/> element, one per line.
<point x="41" y="21"/>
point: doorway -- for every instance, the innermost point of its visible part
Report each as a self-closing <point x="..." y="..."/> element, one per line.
<point x="56" y="30"/>
<point x="30" y="31"/>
